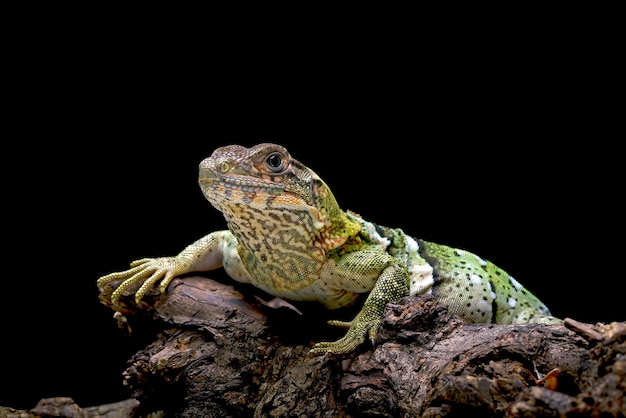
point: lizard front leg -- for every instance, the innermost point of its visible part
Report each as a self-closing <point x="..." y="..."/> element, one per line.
<point x="208" y="253"/>
<point x="391" y="284"/>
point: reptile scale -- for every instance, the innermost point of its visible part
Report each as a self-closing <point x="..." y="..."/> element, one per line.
<point x="288" y="236"/>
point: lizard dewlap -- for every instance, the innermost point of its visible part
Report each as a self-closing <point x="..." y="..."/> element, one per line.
<point x="288" y="236"/>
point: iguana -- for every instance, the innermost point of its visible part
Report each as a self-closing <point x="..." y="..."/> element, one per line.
<point x="288" y="236"/>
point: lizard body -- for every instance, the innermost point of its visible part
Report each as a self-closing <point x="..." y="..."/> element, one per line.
<point x="288" y="236"/>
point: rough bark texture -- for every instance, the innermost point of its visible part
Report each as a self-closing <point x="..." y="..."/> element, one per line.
<point x="216" y="352"/>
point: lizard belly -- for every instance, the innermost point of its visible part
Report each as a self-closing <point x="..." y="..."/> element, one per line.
<point x="319" y="291"/>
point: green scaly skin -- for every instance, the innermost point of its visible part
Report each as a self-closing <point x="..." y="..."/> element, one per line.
<point x="288" y="236"/>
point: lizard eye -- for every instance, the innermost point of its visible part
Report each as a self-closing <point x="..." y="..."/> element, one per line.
<point x="274" y="162"/>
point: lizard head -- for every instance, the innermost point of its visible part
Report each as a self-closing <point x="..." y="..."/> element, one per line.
<point x="262" y="191"/>
<point x="259" y="177"/>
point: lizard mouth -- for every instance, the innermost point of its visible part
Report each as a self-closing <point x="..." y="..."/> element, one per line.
<point x="208" y="178"/>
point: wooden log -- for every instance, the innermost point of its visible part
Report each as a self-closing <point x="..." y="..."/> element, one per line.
<point x="221" y="354"/>
<point x="217" y="351"/>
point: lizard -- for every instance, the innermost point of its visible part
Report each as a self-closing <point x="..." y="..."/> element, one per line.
<point x="288" y="236"/>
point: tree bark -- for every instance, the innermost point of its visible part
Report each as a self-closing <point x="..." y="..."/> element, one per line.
<point x="218" y="352"/>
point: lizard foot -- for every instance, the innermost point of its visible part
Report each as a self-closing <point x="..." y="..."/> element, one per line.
<point x="360" y="327"/>
<point x="146" y="272"/>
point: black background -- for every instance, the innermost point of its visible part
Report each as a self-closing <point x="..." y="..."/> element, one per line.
<point x="512" y="155"/>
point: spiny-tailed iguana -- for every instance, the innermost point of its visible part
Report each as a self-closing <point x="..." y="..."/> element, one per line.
<point x="288" y="236"/>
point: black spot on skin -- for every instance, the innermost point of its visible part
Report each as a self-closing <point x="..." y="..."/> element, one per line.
<point x="494" y="305"/>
